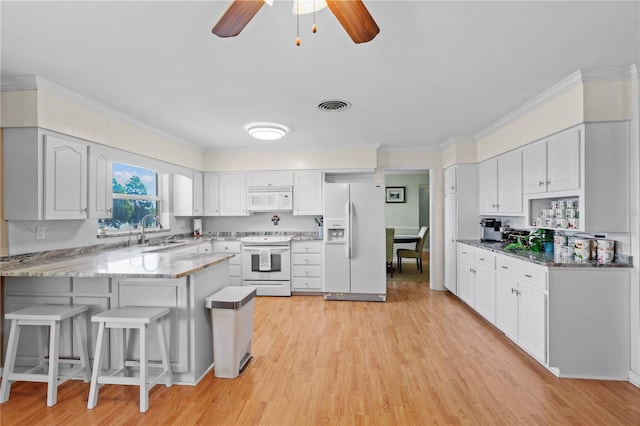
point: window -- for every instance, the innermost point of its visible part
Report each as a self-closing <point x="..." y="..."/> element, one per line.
<point x="135" y="194"/>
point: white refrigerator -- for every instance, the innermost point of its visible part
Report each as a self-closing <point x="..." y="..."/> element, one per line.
<point x="354" y="242"/>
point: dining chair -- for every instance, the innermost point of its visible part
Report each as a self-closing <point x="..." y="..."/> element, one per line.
<point x="414" y="254"/>
<point x="390" y="235"/>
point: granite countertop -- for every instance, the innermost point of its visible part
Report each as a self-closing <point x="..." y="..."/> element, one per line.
<point x="140" y="261"/>
<point x="550" y="260"/>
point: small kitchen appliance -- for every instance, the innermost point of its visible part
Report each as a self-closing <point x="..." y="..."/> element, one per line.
<point x="491" y="230"/>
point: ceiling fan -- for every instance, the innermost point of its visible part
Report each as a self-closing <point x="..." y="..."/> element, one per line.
<point x="352" y="15"/>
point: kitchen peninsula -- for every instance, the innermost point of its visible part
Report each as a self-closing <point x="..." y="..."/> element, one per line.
<point x="176" y="276"/>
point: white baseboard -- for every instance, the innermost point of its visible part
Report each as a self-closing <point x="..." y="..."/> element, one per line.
<point x="634" y="378"/>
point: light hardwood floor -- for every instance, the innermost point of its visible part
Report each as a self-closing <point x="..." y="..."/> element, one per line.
<point x="423" y="357"/>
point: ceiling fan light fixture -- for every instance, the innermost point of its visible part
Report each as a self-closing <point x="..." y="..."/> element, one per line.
<point x="267" y="131"/>
<point x="302" y="7"/>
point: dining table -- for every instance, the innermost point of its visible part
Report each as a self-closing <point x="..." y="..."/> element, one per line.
<point x="404" y="239"/>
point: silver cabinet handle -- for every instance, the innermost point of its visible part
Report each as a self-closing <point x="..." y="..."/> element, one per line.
<point x="504" y="267"/>
<point x="482" y="258"/>
<point x="528" y="276"/>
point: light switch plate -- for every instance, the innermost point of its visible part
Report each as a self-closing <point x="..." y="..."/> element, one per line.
<point x="40" y="235"/>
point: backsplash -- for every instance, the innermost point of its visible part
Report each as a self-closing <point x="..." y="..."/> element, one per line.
<point x="66" y="234"/>
<point x="260" y="223"/>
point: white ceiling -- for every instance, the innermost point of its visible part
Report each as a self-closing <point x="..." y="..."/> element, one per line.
<point x="436" y="71"/>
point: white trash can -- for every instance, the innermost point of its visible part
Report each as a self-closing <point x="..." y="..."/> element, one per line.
<point x="232" y="324"/>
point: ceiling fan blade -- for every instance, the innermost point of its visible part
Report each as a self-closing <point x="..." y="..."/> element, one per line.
<point x="237" y="17"/>
<point x="355" y="19"/>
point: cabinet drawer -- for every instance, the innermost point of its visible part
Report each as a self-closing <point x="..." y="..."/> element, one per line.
<point x="226" y="246"/>
<point x="529" y="274"/>
<point x="486" y="259"/>
<point x="306" y="247"/>
<point x="466" y="252"/>
<point x="307" y="283"/>
<point x="306" y="271"/>
<point x="306" y="259"/>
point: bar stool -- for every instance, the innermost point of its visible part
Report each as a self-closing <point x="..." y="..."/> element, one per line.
<point x="138" y="318"/>
<point x="51" y="316"/>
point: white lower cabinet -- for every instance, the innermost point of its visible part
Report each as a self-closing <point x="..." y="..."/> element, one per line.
<point x="476" y="280"/>
<point x="235" y="263"/>
<point x="521" y="305"/>
<point x="306" y="266"/>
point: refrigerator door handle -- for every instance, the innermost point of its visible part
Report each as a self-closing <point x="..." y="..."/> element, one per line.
<point x="348" y="226"/>
<point x="351" y="248"/>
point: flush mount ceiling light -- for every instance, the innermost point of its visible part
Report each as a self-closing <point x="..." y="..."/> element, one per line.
<point x="267" y="131"/>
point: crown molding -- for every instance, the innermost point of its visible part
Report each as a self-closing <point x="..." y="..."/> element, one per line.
<point x="454" y="140"/>
<point x="415" y="148"/>
<point x="32" y="82"/>
<point x="269" y="147"/>
<point x="578" y="78"/>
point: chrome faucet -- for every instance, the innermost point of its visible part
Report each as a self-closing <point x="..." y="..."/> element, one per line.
<point x="143" y="221"/>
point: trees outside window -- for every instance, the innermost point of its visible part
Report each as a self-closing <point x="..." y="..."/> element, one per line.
<point x="135" y="194"/>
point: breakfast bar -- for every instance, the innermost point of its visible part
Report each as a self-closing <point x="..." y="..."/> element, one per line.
<point x="179" y="278"/>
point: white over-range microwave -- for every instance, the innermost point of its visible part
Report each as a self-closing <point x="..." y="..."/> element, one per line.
<point x="269" y="199"/>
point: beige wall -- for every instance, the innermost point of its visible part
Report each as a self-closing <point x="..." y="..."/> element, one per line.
<point x="31" y="108"/>
<point x="459" y="152"/>
<point x="317" y="159"/>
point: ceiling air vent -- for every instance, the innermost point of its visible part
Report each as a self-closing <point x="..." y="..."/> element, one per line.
<point x="334" y="106"/>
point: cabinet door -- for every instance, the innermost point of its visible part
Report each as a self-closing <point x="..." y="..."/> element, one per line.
<point x="564" y="161"/>
<point x="510" y="183"/>
<point x="485" y="301"/>
<point x="450" y="181"/>
<point x="450" y="221"/>
<point x="488" y="186"/>
<point x="211" y="194"/>
<point x="233" y="194"/>
<point x="65" y="171"/>
<point x="532" y="322"/>
<point x="307" y="193"/>
<point x="507" y="306"/>
<point x="163" y="293"/>
<point x="182" y="195"/>
<point x="100" y="184"/>
<point x="534" y="168"/>
<point x="198" y="194"/>
<point x="466" y="280"/>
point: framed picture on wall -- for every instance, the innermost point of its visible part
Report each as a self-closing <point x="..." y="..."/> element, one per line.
<point x="395" y="194"/>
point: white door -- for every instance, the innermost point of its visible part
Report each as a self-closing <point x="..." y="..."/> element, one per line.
<point x="564" y="161"/>
<point x="507" y="306"/>
<point x="337" y="270"/>
<point x="367" y="239"/>
<point x="534" y="168"/>
<point x="488" y="186"/>
<point x="211" y="195"/>
<point x="450" y="254"/>
<point x="532" y="322"/>
<point x="307" y="193"/>
<point x="233" y="194"/>
<point x="466" y="280"/>
<point x="65" y="171"/>
<point x="100" y="184"/>
<point x="485" y="301"/>
<point x="510" y="183"/>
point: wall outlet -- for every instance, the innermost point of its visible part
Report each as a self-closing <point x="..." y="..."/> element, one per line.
<point x="40" y="235"/>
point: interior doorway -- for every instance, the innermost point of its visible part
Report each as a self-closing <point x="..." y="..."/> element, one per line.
<point x="408" y="215"/>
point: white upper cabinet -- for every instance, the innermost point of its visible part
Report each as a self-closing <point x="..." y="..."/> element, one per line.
<point x="211" y="190"/>
<point x="563" y="159"/>
<point x="450" y="180"/>
<point x="552" y="164"/>
<point x="307" y="193"/>
<point x="534" y="168"/>
<point x="233" y="194"/>
<point x="500" y="180"/>
<point x="277" y="178"/>
<point x="65" y="171"/>
<point x="100" y="184"/>
<point x="187" y="195"/>
<point x="45" y="175"/>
